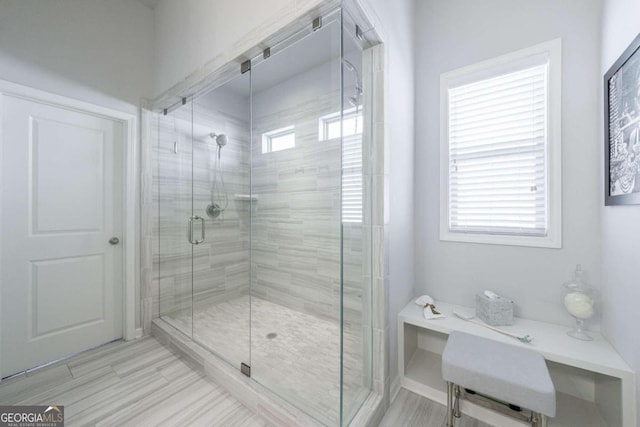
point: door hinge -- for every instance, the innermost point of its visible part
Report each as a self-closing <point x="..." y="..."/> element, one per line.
<point x="245" y="369"/>
<point x="316" y="24"/>
<point x="245" y="66"/>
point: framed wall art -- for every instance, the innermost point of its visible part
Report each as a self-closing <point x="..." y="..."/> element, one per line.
<point x="622" y="128"/>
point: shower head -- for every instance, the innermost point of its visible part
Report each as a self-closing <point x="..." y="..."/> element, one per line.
<point x="221" y="139"/>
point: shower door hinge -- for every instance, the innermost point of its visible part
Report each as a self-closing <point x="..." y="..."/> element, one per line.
<point x="266" y="53"/>
<point x="245" y="66"/>
<point x="317" y="23"/>
<point x="245" y="369"/>
<point x="359" y="34"/>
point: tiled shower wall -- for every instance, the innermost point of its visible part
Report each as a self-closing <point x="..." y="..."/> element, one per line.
<point x="296" y="221"/>
<point x="296" y="224"/>
<point x="220" y="264"/>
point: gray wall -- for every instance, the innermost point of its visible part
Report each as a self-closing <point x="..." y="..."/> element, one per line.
<point x="456" y="33"/>
<point x="620" y="225"/>
<point x="96" y="51"/>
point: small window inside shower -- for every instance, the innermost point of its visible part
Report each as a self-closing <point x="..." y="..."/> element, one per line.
<point x="329" y="128"/>
<point x="279" y="139"/>
<point x="330" y="124"/>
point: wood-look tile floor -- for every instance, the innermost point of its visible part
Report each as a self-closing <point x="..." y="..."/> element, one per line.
<point x="411" y="410"/>
<point x="137" y="383"/>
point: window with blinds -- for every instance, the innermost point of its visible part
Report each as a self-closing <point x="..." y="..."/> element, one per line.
<point x="497" y="130"/>
<point x="497" y="146"/>
<point x="329" y="128"/>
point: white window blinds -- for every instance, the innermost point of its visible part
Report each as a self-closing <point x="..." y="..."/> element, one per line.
<point x="352" y="178"/>
<point x="497" y="154"/>
<point x="352" y="189"/>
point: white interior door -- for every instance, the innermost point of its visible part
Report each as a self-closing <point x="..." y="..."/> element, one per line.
<point x="62" y="281"/>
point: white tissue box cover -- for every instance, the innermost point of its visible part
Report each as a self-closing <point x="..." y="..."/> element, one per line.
<point x="494" y="311"/>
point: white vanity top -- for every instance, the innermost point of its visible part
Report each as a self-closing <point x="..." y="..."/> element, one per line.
<point x="550" y="340"/>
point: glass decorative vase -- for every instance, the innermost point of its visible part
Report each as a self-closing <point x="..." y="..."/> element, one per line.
<point x="578" y="299"/>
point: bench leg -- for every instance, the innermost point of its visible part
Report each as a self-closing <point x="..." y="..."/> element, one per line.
<point x="450" y="387"/>
<point x="456" y="403"/>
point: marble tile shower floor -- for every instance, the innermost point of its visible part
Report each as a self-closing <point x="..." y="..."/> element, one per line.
<point x="136" y="383"/>
<point x="295" y="354"/>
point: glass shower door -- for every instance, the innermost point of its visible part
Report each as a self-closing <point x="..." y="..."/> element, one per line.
<point x="204" y="204"/>
<point x="265" y="222"/>
<point x="175" y="208"/>
<point x="357" y="183"/>
<point x="221" y="195"/>
<point x="296" y="225"/>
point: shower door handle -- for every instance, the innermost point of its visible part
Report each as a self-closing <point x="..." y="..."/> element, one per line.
<point x="196" y="218"/>
<point x="201" y="219"/>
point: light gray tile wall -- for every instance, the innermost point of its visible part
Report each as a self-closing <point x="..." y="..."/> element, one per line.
<point x="378" y="169"/>
<point x="226" y="246"/>
<point x="297" y="220"/>
<point x="217" y="269"/>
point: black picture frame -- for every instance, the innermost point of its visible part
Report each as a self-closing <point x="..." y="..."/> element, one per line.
<point x="622" y="129"/>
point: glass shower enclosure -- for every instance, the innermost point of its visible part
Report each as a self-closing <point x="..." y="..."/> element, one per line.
<point x="263" y="228"/>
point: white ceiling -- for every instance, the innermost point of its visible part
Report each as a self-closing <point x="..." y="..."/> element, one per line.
<point x="149" y="3"/>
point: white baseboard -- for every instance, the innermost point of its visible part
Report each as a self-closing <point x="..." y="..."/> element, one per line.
<point x="139" y="333"/>
<point x="394" y="389"/>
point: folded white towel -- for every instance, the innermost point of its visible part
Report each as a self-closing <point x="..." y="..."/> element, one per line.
<point x="430" y="315"/>
<point x="430" y="312"/>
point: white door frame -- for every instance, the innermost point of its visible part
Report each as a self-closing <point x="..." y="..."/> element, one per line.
<point x="129" y="194"/>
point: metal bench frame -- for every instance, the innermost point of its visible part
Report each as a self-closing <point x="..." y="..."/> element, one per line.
<point x="455" y="393"/>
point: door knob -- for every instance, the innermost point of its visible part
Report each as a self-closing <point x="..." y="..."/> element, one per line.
<point x="114" y="241"/>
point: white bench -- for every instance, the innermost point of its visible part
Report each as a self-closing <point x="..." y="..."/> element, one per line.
<point x="594" y="386"/>
<point x="502" y="374"/>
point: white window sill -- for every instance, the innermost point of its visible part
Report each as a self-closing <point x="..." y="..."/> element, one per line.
<point x="548" y="241"/>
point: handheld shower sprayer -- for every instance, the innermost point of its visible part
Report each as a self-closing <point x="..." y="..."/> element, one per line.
<point x="219" y="198"/>
<point x="221" y="140"/>
<point x="354" y="99"/>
